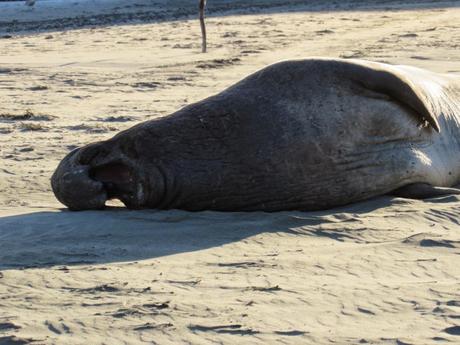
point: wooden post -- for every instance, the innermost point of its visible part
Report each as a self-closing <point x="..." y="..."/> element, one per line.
<point x="203" y="26"/>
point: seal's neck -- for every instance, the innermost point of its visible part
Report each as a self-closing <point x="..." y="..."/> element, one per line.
<point x="447" y="106"/>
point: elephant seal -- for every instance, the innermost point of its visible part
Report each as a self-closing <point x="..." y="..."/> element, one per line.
<point x="297" y="135"/>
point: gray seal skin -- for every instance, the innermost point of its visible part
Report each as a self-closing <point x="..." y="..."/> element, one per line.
<point x="297" y="135"/>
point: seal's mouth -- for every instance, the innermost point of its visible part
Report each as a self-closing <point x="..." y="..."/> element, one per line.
<point x="119" y="182"/>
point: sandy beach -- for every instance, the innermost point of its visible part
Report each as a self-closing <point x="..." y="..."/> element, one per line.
<point x="384" y="271"/>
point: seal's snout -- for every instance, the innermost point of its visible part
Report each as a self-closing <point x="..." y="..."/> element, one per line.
<point x="73" y="186"/>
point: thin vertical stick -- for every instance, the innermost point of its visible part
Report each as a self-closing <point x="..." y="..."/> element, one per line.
<point x="203" y="26"/>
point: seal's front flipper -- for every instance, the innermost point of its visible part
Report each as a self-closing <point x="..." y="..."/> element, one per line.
<point x="423" y="191"/>
<point x="393" y="82"/>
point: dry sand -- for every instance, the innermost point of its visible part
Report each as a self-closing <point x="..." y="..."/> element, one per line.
<point x="384" y="271"/>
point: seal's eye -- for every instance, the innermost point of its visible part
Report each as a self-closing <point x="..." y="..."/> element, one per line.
<point x="116" y="177"/>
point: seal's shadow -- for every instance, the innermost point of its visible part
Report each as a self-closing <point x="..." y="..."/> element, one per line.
<point x="44" y="239"/>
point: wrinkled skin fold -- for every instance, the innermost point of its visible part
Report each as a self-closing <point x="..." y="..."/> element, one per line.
<point x="297" y="135"/>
